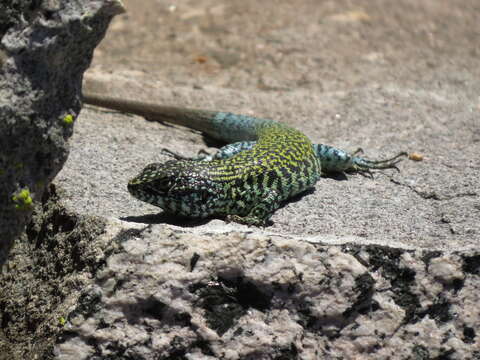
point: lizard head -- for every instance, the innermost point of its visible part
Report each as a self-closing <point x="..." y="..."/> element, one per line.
<point x="179" y="187"/>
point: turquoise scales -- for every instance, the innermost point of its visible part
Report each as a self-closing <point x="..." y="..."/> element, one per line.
<point x="265" y="163"/>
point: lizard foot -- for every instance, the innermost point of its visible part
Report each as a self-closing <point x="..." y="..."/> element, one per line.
<point x="246" y="220"/>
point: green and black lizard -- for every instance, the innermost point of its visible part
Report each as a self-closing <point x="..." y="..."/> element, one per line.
<point x="265" y="163"/>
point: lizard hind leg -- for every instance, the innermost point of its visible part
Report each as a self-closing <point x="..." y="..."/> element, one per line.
<point x="361" y="164"/>
<point x="337" y="160"/>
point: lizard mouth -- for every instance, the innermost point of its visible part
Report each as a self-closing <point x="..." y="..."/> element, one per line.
<point x="156" y="193"/>
<point x="141" y="191"/>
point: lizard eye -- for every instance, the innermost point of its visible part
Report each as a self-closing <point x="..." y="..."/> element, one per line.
<point x="151" y="167"/>
<point x="162" y="184"/>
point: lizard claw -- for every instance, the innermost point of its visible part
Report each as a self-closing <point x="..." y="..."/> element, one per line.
<point x="172" y="154"/>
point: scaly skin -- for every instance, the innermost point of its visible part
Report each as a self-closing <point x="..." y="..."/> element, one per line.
<point x="246" y="181"/>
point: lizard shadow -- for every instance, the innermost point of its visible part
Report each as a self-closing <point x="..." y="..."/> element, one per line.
<point x="163" y="218"/>
<point x="340" y="176"/>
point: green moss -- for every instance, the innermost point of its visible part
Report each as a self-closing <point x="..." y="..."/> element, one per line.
<point x="68" y="119"/>
<point x="62" y="321"/>
<point x="23" y="200"/>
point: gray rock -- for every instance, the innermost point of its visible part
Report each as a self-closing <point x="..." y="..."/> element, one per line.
<point x="47" y="267"/>
<point x="174" y="294"/>
<point x="45" y="48"/>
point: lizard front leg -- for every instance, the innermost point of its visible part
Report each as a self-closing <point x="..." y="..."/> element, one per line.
<point x="223" y="153"/>
<point x="261" y="211"/>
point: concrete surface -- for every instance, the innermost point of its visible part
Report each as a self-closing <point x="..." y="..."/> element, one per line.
<point x="433" y="204"/>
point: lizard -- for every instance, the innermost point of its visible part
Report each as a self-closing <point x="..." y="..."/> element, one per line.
<point x="264" y="164"/>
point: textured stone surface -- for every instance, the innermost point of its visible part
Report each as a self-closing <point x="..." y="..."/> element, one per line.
<point x="45" y="48"/>
<point x="47" y="268"/>
<point x="170" y="294"/>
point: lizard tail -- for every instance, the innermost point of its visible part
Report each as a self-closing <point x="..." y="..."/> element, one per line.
<point x="200" y="120"/>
